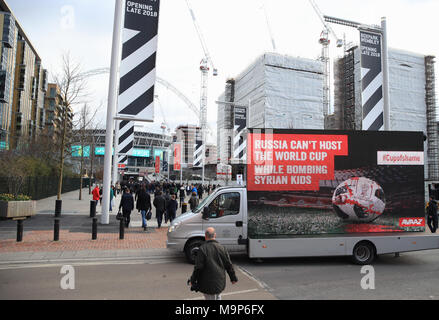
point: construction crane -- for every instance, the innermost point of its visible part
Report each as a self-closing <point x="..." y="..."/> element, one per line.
<point x="164" y="126"/>
<point x="161" y="81"/>
<point x="324" y="41"/>
<point x="273" y="43"/>
<point x="204" y="68"/>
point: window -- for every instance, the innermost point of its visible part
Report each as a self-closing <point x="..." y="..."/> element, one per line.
<point x="226" y="204"/>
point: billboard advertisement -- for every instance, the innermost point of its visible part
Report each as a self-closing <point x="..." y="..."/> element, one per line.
<point x="239" y="143"/>
<point x="157" y="164"/>
<point x="372" y="81"/>
<point x="198" y="149"/>
<point x="177" y="156"/>
<point x="138" y="65"/>
<point x="309" y="182"/>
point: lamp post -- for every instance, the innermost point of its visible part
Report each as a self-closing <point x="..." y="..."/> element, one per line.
<point x="111" y="110"/>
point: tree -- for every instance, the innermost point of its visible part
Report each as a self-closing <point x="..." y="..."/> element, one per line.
<point x="72" y="86"/>
<point x="86" y="117"/>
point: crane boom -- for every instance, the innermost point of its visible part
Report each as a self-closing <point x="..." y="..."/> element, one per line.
<point x="273" y="43"/>
<point x="159" y="80"/>
<point x="201" y="37"/>
<point x="326" y="25"/>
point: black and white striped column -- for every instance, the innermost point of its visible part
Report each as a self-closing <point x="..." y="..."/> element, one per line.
<point x="125" y="141"/>
<point x="198" y="154"/>
<point x="239" y="142"/>
<point x="137" y="75"/>
<point x="372" y="81"/>
<point x="137" y="70"/>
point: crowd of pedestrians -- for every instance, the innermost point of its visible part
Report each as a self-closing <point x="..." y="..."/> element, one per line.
<point x="168" y="197"/>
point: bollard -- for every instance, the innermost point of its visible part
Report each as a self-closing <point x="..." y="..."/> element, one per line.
<point x="58" y="205"/>
<point x="94" y="229"/>
<point x="122" y="229"/>
<point x="19" y="230"/>
<point x="184" y="208"/>
<point x="92" y="208"/>
<point x="56" y="230"/>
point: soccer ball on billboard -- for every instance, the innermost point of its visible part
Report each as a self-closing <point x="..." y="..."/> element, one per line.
<point x="359" y="199"/>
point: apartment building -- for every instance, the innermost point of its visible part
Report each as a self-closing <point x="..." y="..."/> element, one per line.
<point x="23" y="84"/>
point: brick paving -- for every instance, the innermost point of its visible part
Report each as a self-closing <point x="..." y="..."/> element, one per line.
<point x="75" y="230"/>
<point x="42" y="241"/>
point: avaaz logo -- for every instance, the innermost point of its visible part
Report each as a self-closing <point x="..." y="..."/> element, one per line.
<point x="412" y="222"/>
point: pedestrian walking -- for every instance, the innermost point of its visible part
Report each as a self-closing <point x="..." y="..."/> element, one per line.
<point x="111" y="198"/>
<point x="432" y="218"/>
<point x="114" y="192"/>
<point x="188" y="190"/>
<point x="194" y="189"/>
<point x="172" y="208"/>
<point x="200" y="192"/>
<point x="193" y="201"/>
<point x="100" y="195"/>
<point x="143" y="204"/>
<point x="211" y="263"/>
<point x="167" y="200"/>
<point x="182" y="195"/>
<point x="96" y="194"/>
<point x="160" y="208"/>
<point x="127" y="205"/>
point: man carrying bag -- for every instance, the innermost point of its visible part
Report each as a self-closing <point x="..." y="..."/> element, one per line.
<point x="211" y="263"/>
<point x="127" y="205"/>
<point x="143" y="205"/>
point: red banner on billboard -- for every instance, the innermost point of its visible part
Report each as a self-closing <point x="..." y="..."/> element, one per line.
<point x="157" y="164"/>
<point x="292" y="162"/>
<point x="177" y="157"/>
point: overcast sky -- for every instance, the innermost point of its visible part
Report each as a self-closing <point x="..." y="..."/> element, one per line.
<point x="236" y="33"/>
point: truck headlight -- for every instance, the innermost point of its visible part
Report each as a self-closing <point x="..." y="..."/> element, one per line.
<point x="173" y="227"/>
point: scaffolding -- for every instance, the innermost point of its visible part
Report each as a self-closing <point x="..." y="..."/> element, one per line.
<point x="225" y="123"/>
<point x="345" y="112"/>
<point x="432" y="128"/>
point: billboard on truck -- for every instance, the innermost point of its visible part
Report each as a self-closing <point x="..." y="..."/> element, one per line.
<point x="311" y="182"/>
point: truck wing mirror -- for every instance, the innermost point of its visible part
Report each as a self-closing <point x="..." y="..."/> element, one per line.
<point x="205" y="213"/>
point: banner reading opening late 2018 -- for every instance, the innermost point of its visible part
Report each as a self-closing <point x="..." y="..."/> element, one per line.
<point x="313" y="182"/>
<point x="372" y="81"/>
<point x="138" y="65"/>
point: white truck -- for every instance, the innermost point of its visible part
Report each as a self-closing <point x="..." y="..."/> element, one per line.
<point x="318" y="193"/>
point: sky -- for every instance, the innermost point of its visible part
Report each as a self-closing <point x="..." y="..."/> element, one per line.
<point x="236" y="33"/>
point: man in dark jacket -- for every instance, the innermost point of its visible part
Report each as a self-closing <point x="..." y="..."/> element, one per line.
<point x="432" y="219"/>
<point x="200" y="191"/>
<point x="143" y="204"/>
<point x="160" y="208"/>
<point x="167" y="199"/>
<point x="127" y="205"/>
<point x="171" y="208"/>
<point x="211" y="263"/>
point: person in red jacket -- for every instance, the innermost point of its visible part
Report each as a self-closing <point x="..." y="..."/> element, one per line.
<point x="95" y="194"/>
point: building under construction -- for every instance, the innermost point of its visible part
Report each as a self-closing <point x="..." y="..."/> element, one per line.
<point x="412" y="98"/>
<point x="281" y="91"/>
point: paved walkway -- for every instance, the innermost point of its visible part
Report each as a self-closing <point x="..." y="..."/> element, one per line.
<point x="75" y="230"/>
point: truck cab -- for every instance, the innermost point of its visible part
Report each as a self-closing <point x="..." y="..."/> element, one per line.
<point x="225" y="210"/>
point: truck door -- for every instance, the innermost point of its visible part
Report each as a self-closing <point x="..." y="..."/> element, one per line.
<point x="225" y="215"/>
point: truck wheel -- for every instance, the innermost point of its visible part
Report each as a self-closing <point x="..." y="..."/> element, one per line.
<point x="364" y="253"/>
<point x="191" y="250"/>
